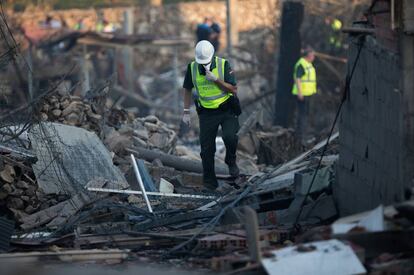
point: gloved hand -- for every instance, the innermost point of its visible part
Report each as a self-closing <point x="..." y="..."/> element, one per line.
<point x="210" y="76"/>
<point x="186" y="118"/>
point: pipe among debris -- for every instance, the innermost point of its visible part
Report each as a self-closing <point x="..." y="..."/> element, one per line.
<point x="159" y="194"/>
<point x="174" y="161"/>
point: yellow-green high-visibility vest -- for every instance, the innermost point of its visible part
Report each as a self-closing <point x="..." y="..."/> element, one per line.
<point x="336" y="25"/>
<point x="207" y="92"/>
<point x="308" y="80"/>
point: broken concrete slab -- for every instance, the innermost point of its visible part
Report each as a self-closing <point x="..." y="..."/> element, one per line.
<point x="313" y="212"/>
<point x="371" y="221"/>
<point x="69" y="157"/>
<point x="166" y="186"/>
<point x="60" y="213"/>
<point x="41" y="217"/>
<point x="71" y="207"/>
<point x="303" y="179"/>
<point x="323" y="258"/>
<point x="287" y="166"/>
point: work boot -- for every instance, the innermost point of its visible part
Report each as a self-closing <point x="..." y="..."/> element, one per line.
<point x="210" y="185"/>
<point x="234" y="170"/>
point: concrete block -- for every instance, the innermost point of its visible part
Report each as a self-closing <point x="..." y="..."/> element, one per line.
<point x="371" y="101"/>
<point x="361" y="102"/>
<point x="394" y="114"/>
<point x="346" y="179"/>
<point x="361" y="123"/>
<point x="348" y="118"/>
<point x="375" y="153"/>
<point x="378" y="136"/>
<point x="346" y="136"/>
<point x="366" y="123"/>
<point x="392" y="142"/>
<point x="346" y="202"/>
<point x="375" y="195"/>
<point x="382" y="163"/>
<point x="304" y="178"/>
<point x="346" y="158"/>
<point x="379" y="95"/>
<point x="387" y="65"/>
<point x="345" y="115"/>
<point x="381" y="186"/>
<point x="69" y="157"/>
<point x="391" y="163"/>
<point x="388" y="95"/>
<point x="359" y="146"/>
<point x="355" y="122"/>
<point x="366" y="170"/>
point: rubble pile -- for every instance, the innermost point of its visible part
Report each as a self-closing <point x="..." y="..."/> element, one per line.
<point x="120" y="129"/>
<point x="19" y="191"/>
<point x="271" y="146"/>
<point x="148" y="132"/>
<point x="71" y="110"/>
<point x="76" y="208"/>
<point x="256" y="216"/>
<point x="277" y="145"/>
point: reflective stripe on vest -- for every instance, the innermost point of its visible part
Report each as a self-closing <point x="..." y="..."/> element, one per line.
<point x="208" y="93"/>
<point x="308" y="80"/>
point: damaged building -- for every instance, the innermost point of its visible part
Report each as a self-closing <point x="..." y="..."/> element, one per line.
<point x="376" y="133"/>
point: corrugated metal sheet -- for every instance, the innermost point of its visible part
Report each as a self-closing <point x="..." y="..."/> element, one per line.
<point x="6" y="231"/>
<point x="408" y="16"/>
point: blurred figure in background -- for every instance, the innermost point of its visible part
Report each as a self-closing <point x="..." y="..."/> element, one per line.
<point x="335" y="39"/>
<point x="215" y="35"/>
<point x="204" y="30"/>
<point x="209" y="30"/>
<point x="51" y="23"/>
<point x="79" y="26"/>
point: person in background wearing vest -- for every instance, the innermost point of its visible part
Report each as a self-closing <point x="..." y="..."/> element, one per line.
<point x="335" y="36"/>
<point x="212" y="81"/>
<point x="304" y="86"/>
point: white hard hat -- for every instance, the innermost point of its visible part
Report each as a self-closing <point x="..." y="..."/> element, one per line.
<point x="204" y="52"/>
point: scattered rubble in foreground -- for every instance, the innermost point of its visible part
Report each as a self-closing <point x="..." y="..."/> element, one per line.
<point x="72" y="195"/>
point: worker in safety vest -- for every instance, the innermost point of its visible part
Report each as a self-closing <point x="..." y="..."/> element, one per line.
<point x="210" y="81"/>
<point x="304" y="86"/>
<point x="335" y="39"/>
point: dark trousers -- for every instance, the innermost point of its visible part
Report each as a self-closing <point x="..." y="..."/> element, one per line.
<point x="302" y="117"/>
<point x="209" y="124"/>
